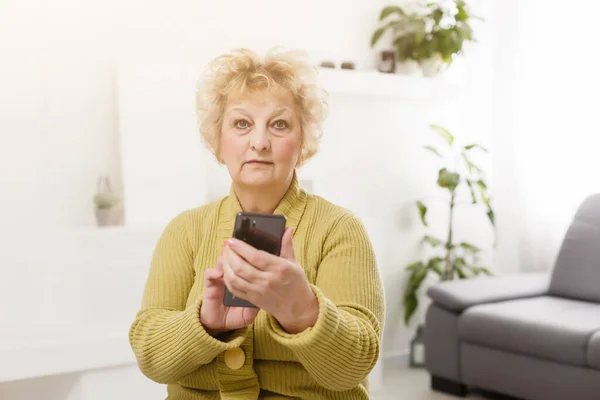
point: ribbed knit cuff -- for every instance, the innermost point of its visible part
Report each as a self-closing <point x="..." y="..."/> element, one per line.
<point x="212" y="346"/>
<point x="318" y="336"/>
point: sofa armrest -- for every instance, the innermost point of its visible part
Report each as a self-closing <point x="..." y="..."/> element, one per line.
<point x="460" y="294"/>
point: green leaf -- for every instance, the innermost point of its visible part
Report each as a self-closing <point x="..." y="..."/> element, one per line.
<point x="469" y="247"/>
<point x="410" y="306"/>
<point x="476" y="146"/>
<point x="462" y="14"/>
<point x="389" y="10"/>
<point x="434" y="264"/>
<point x="433" y="150"/>
<point x="491" y="217"/>
<point x="422" y="212"/>
<point x="458" y="266"/>
<point x="448" y="180"/>
<point x="470" y="165"/>
<point x="405" y="47"/>
<point x="380" y="31"/>
<point x="377" y="35"/>
<point x="432" y="241"/>
<point x="485" y="271"/>
<point x="437" y="16"/>
<point x="461" y="273"/>
<point x="410" y="293"/>
<point x="414" y="266"/>
<point x="473" y="197"/>
<point x="419" y="36"/>
<point x="459" y="261"/>
<point x="481" y="185"/>
<point x="485" y="200"/>
<point x="444" y="133"/>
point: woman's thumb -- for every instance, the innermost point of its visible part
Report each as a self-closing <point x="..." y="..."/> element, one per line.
<point x="287" y="245"/>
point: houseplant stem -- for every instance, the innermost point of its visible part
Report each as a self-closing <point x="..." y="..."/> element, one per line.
<point x="449" y="247"/>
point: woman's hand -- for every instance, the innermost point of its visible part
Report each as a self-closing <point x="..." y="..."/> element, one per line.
<point x="277" y="285"/>
<point x="214" y="315"/>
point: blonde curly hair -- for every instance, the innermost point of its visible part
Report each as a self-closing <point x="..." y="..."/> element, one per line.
<point x="243" y="72"/>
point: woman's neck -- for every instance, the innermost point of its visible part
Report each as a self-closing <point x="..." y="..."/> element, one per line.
<point x="261" y="200"/>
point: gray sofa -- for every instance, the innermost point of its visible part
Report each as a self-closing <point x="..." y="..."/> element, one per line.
<point x="534" y="336"/>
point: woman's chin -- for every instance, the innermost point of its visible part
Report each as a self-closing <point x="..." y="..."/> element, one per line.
<point x="258" y="179"/>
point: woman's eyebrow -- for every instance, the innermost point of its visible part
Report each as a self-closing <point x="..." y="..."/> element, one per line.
<point x="280" y="110"/>
<point x="238" y="109"/>
<point x="277" y="111"/>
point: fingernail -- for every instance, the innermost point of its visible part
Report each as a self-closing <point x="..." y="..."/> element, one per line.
<point x="229" y="242"/>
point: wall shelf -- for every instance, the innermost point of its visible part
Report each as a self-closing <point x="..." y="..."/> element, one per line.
<point x="384" y="86"/>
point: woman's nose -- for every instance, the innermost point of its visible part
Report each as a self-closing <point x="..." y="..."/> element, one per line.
<point x="260" y="139"/>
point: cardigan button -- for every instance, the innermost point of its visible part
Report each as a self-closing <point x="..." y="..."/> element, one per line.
<point x="235" y="358"/>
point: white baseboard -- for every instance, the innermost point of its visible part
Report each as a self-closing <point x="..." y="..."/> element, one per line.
<point x="394" y="359"/>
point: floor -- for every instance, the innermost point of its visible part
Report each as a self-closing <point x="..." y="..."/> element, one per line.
<point x="403" y="383"/>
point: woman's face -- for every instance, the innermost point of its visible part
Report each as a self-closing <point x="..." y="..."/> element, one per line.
<point x="261" y="139"/>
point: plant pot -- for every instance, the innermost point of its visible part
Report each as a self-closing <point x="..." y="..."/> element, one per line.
<point x="407" y="67"/>
<point x="103" y="216"/>
<point x="432" y="66"/>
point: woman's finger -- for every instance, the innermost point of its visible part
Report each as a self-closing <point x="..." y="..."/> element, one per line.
<point x="213" y="283"/>
<point x="219" y="266"/>
<point x="259" y="259"/>
<point x="234" y="283"/>
<point x="241" y="268"/>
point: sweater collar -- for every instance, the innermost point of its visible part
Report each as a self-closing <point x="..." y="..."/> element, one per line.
<point x="292" y="205"/>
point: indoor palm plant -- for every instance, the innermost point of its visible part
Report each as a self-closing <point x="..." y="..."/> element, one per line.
<point x="432" y="36"/>
<point x="452" y="259"/>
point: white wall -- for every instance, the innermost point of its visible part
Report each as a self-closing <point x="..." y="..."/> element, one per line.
<point x="59" y="117"/>
<point x="58" y="96"/>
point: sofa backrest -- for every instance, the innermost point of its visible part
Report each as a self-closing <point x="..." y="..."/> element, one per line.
<point x="577" y="269"/>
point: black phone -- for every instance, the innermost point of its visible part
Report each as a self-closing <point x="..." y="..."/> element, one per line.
<point x="261" y="231"/>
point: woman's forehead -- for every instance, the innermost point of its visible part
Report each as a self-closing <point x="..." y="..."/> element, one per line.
<point x="262" y="100"/>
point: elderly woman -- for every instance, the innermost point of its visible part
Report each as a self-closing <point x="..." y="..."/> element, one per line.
<point x="316" y="331"/>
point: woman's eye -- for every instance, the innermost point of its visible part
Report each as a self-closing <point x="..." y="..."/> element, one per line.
<point x="280" y="124"/>
<point x="241" y="124"/>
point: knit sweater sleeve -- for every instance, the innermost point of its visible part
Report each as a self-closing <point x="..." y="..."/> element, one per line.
<point x="167" y="338"/>
<point x="342" y="347"/>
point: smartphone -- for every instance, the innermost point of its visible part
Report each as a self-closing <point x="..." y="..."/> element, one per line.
<point x="261" y="231"/>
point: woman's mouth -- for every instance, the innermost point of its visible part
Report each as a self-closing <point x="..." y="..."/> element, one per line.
<point x="259" y="163"/>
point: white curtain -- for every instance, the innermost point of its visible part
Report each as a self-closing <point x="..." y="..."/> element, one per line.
<point x="548" y="101"/>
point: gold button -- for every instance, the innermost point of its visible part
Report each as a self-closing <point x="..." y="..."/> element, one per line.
<point x="235" y="358"/>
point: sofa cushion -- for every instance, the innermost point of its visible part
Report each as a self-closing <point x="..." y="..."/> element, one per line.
<point x="594" y="351"/>
<point x="548" y="327"/>
<point x="577" y="268"/>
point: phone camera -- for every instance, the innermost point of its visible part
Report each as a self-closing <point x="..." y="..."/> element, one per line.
<point x="245" y="228"/>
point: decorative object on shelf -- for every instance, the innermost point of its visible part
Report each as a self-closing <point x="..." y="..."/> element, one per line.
<point x="417" y="349"/>
<point x="432" y="36"/>
<point x="327" y="64"/>
<point x="347" y="65"/>
<point x="408" y="67"/>
<point x="387" y="61"/>
<point x="432" y="66"/>
<point x="458" y="260"/>
<point x="104" y="200"/>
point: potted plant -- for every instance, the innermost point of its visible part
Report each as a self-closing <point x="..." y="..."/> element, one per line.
<point x="104" y="201"/>
<point x="407" y="30"/>
<point x="431" y="37"/>
<point x="452" y="259"/>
